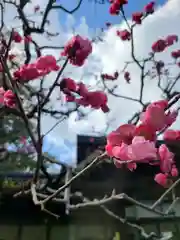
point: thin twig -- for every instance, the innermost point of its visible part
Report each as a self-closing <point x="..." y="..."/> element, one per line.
<point x="165" y="194"/>
<point x="68" y="183"/>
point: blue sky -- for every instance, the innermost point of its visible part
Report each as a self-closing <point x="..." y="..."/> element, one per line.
<point x="97" y="15"/>
<point x="63" y="150"/>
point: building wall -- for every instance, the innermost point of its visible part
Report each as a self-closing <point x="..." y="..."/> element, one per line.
<point x="83" y="232"/>
<point x="87" y="224"/>
<point x="69" y="232"/>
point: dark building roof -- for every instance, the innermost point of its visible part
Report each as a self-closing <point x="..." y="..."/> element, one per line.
<point x="88" y="147"/>
<point x="98" y="181"/>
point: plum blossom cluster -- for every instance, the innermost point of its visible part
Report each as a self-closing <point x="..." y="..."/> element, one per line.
<point x="127" y="76"/>
<point x="116" y="6"/>
<point x="131" y="144"/>
<point x="36" y="8"/>
<point x="7" y="98"/>
<point x="17" y="38"/>
<point x="148" y="9"/>
<point x="41" y="67"/>
<point x="108" y="77"/>
<point x="77" y="50"/>
<point x="162" y="44"/>
<point x="172" y="135"/>
<point x="79" y="93"/>
<point x="137" y="17"/>
<point x="175" y="54"/>
<point x="125" y="35"/>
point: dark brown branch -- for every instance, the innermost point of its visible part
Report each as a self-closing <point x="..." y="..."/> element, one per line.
<point x="66" y="10"/>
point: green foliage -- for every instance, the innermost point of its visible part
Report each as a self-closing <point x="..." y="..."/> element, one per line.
<point x="11" y="130"/>
<point x="17" y="162"/>
<point x="10" y="183"/>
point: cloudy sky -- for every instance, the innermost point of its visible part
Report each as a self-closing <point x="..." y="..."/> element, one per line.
<point x="108" y="56"/>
